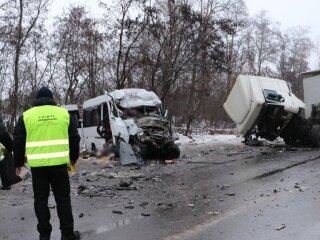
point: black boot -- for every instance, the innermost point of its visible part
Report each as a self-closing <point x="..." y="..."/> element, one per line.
<point x="44" y="238"/>
<point x="74" y="236"/>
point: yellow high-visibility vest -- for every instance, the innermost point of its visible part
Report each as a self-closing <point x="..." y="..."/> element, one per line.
<point x="3" y="152"/>
<point x="47" y="140"/>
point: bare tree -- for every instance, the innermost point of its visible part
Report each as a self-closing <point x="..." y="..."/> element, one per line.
<point x="28" y="13"/>
<point x="208" y="58"/>
<point x="34" y="66"/>
<point x="128" y="27"/>
<point x="295" y="48"/>
<point x="234" y="39"/>
<point x="265" y="42"/>
<point x="92" y="57"/>
<point x="68" y="41"/>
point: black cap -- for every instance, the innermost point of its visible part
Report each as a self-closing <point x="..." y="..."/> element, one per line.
<point x="44" y="92"/>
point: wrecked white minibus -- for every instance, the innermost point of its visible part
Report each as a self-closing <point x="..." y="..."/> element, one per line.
<point x="133" y="120"/>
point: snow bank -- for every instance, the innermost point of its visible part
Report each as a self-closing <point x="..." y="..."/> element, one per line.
<point x="204" y="139"/>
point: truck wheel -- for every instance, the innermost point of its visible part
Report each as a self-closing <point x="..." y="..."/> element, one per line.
<point x="173" y="151"/>
<point x="252" y="141"/>
<point x="315" y="135"/>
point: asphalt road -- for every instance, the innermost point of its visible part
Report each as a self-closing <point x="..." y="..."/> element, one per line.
<point x="214" y="192"/>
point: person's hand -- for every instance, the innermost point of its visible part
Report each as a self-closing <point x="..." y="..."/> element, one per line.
<point x="18" y="171"/>
<point x="73" y="163"/>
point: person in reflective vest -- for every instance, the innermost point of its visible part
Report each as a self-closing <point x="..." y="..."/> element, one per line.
<point x="47" y="137"/>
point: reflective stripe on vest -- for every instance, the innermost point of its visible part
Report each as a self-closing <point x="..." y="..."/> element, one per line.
<point x="47" y="141"/>
<point x="47" y="155"/>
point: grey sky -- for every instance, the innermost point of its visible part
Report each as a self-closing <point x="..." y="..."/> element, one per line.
<point x="58" y="6"/>
<point x="290" y="12"/>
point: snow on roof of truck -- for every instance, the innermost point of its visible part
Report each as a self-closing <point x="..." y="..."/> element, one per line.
<point x="310" y="74"/>
<point x="91" y="103"/>
<point x="135" y="97"/>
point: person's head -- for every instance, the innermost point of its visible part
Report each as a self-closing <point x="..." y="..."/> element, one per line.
<point x="44" y="92"/>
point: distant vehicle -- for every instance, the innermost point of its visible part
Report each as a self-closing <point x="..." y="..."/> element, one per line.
<point x="267" y="108"/>
<point x="129" y="116"/>
<point x="311" y="92"/>
<point x="74" y="112"/>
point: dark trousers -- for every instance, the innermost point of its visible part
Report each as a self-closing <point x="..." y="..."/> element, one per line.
<point x="8" y="172"/>
<point x="57" y="177"/>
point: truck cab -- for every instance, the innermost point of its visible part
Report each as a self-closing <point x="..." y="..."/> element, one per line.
<point x="267" y="108"/>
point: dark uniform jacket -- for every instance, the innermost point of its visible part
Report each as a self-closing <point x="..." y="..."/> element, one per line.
<point x="19" y="136"/>
<point x="5" y="137"/>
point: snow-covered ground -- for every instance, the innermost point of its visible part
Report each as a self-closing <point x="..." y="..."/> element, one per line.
<point x="206" y="138"/>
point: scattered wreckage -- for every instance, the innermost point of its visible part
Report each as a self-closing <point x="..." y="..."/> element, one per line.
<point x="129" y="122"/>
<point x="266" y="108"/>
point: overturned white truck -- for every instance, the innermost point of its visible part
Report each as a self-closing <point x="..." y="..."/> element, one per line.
<point x="266" y="108"/>
<point x="133" y="120"/>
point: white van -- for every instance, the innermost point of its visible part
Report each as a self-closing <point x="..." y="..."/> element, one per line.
<point x="132" y="116"/>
